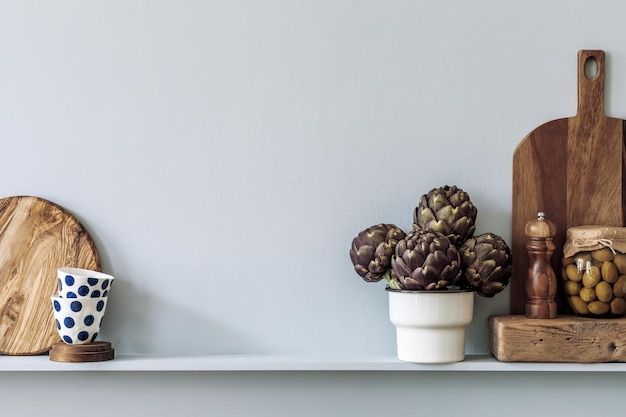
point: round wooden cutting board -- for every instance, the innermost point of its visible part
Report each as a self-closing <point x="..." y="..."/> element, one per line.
<point x="36" y="238"/>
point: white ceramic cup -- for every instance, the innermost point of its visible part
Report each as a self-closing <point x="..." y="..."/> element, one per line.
<point x="78" y="320"/>
<point x="83" y="283"/>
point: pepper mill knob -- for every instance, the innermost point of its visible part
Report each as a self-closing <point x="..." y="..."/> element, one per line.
<point x="541" y="283"/>
<point x="540" y="228"/>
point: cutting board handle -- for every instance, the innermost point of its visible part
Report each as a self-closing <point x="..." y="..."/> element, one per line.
<point x="591" y="90"/>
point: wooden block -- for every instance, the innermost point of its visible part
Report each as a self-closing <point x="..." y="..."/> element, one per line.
<point x="563" y="339"/>
<point x="90" y="352"/>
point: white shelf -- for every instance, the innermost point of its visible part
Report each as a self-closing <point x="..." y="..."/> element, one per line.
<point x="253" y="363"/>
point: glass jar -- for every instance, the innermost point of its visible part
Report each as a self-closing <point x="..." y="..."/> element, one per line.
<point x="594" y="270"/>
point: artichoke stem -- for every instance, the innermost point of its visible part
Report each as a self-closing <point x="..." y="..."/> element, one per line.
<point x="392" y="280"/>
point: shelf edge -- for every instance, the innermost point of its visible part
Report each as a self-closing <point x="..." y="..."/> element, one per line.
<point x="288" y="363"/>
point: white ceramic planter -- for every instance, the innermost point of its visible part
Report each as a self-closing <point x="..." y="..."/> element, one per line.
<point x="431" y="326"/>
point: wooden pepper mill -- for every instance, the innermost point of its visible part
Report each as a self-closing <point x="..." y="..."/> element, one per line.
<point x="541" y="283"/>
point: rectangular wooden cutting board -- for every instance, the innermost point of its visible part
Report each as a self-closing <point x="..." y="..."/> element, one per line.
<point x="571" y="169"/>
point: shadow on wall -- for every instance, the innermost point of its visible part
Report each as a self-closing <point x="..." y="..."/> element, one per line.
<point x="141" y="322"/>
<point x="138" y="322"/>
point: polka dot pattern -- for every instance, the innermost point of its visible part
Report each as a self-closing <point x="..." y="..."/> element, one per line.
<point x="75" y="286"/>
<point x="78" y="320"/>
<point x="80" y="305"/>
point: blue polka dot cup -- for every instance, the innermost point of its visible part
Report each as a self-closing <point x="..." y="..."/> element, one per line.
<point x="78" y="320"/>
<point x="83" y="283"/>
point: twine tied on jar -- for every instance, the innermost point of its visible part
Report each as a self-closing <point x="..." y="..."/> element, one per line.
<point x="586" y="243"/>
<point x="592" y="237"/>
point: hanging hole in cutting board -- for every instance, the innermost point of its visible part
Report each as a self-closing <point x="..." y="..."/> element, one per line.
<point x="591" y="68"/>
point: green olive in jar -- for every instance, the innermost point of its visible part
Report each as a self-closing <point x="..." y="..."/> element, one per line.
<point x="587" y="294"/>
<point x="619" y="287"/>
<point x="572" y="287"/>
<point x="618" y="306"/>
<point x="572" y="273"/>
<point x="604" y="291"/>
<point x="609" y="272"/>
<point x="620" y="263"/>
<point x="582" y="258"/>
<point x="598" y="308"/>
<point x="568" y="261"/>
<point x="579" y="305"/>
<point x="591" y="277"/>
<point x="602" y="255"/>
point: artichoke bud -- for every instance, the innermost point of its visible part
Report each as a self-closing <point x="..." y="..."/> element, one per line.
<point x="487" y="266"/>
<point x="372" y="249"/>
<point x="486" y="262"/>
<point x="447" y="210"/>
<point x="433" y="263"/>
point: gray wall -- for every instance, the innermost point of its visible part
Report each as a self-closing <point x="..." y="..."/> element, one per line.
<point x="224" y="154"/>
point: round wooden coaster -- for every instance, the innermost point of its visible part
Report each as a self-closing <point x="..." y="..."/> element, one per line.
<point x="90" y="352"/>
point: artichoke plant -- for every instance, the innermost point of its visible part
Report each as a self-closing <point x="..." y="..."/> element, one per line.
<point x="447" y="210"/>
<point x="440" y="252"/>
<point x="372" y="249"/>
<point x="486" y="263"/>
<point x="426" y="261"/>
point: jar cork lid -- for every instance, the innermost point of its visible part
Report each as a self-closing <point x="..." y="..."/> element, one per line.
<point x="540" y="228"/>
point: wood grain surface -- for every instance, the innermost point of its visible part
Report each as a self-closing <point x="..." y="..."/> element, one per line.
<point x="571" y="169"/>
<point x="36" y="237"/>
<point x="564" y="339"/>
<point x="89" y="352"/>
